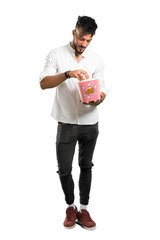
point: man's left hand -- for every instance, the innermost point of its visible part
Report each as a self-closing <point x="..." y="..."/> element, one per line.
<point x="96" y="103"/>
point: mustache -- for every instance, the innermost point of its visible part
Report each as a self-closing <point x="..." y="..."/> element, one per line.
<point x="82" y="46"/>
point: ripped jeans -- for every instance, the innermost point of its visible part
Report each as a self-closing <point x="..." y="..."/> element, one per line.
<point x="67" y="137"/>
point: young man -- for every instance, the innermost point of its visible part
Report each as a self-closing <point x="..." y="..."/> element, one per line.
<point x="77" y="121"/>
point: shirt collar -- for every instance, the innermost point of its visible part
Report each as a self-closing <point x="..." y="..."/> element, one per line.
<point x="73" y="51"/>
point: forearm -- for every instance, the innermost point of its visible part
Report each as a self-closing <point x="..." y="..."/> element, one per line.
<point x="96" y="103"/>
<point x="52" y="81"/>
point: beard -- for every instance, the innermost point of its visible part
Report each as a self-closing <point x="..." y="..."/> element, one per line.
<point x="76" y="50"/>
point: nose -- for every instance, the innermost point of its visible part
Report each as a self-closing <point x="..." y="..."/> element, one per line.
<point x="84" y="43"/>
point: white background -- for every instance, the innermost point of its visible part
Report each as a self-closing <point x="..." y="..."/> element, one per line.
<point x="125" y="193"/>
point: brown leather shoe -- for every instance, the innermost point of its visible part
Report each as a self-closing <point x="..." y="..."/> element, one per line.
<point x="71" y="215"/>
<point x="85" y="220"/>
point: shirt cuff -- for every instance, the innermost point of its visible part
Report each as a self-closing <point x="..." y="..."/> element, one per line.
<point x="43" y="75"/>
<point x="104" y="90"/>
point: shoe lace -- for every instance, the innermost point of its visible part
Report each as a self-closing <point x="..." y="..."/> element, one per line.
<point x="87" y="216"/>
<point x="70" y="215"/>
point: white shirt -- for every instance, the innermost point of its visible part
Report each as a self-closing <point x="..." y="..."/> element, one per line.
<point x="67" y="107"/>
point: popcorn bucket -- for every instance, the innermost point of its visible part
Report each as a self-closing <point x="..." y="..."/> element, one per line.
<point x="89" y="90"/>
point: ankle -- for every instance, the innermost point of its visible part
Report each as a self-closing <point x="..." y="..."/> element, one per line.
<point x="72" y="205"/>
<point x="83" y="207"/>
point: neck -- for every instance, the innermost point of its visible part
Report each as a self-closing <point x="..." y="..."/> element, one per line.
<point x="78" y="55"/>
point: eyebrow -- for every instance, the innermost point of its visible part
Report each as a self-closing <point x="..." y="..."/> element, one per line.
<point x="84" y="38"/>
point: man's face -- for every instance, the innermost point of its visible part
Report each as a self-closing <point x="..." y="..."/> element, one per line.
<point x="81" y="41"/>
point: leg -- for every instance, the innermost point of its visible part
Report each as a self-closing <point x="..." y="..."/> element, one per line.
<point x="65" y="147"/>
<point x="87" y="142"/>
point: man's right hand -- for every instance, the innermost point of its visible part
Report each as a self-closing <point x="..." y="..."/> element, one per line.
<point x="80" y="74"/>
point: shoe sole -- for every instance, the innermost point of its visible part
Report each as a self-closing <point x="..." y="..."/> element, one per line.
<point x="69" y="227"/>
<point x="91" y="228"/>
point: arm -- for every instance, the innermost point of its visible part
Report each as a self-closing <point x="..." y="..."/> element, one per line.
<point x="99" y="73"/>
<point x="95" y="103"/>
<point x="54" y="81"/>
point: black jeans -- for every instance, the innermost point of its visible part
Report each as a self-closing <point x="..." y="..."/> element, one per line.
<point x="67" y="137"/>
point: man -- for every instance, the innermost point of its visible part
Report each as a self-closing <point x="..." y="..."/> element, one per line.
<point x="77" y="121"/>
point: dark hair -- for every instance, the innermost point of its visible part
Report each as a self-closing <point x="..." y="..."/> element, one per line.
<point x="87" y="24"/>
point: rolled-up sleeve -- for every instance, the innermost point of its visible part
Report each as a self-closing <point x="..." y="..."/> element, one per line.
<point x="99" y="73"/>
<point x="50" y="68"/>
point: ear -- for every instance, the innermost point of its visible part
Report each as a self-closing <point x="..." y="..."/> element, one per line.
<point x="73" y="32"/>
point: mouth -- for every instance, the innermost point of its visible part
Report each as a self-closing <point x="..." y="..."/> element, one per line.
<point x="81" y="48"/>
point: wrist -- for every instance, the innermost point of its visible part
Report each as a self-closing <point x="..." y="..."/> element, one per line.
<point x="67" y="74"/>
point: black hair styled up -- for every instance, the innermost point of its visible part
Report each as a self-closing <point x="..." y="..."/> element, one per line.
<point x="87" y="24"/>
